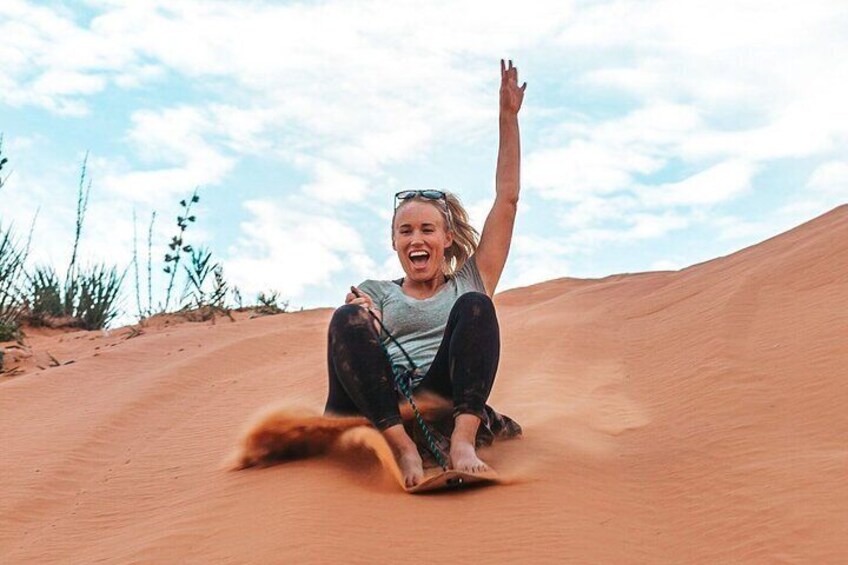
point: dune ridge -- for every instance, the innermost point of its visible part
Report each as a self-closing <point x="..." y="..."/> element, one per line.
<point x="688" y="416"/>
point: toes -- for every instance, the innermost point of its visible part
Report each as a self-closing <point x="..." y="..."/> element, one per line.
<point x="415" y="478"/>
<point x="476" y="467"/>
<point x="479" y="467"/>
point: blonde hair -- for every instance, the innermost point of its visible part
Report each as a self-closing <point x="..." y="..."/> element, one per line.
<point x="465" y="237"/>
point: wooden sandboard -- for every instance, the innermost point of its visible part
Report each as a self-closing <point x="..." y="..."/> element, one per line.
<point x="445" y="480"/>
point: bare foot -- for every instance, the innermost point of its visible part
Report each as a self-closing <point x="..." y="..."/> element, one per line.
<point x="411" y="468"/>
<point x="406" y="455"/>
<point x="464" y="458"/>
<point x="463" y="455"/>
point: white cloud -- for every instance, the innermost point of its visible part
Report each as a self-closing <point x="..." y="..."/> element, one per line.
<point x="359" y="86"/>
<point x="332" y="185"/>
<point x="735" y="228"/>
<point x="647" y="226"/>
<point x="770" y="61"/>
<point x="50" y="61"/>
<point x="634" y="226"/>
<point x="478" y="212"/>
<point x="666" y="265"/>
<point x="584" y="169"/>
<point x="830" y="178"/>
<point x="656" y="128"/>
<point x="288" y="250"/>
<point x="800" y="129"/>
<point x="725" y="104"/>
<point x="826" y="188"/>
<point x="722" y="106"/>
<point x="535" y="259"/>
<point x="718" y="183"/>
<point x="595" y="210"/>
<point x="180" y="138"/>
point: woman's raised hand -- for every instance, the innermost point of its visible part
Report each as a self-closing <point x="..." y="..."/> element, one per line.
<point x="511" y="95"/>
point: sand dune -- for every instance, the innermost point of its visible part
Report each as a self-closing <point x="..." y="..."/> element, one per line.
<point x="691" y="416"/>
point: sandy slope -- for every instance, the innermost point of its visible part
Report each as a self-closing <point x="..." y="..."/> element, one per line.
<point x="699" y="415"/>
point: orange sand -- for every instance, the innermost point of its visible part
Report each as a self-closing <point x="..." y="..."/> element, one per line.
<point x="692" y="416"/>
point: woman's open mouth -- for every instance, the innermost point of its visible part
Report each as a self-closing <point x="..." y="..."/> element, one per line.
<point x="419" y="258"/>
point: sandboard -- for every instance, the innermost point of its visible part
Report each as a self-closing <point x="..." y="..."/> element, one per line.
<point x="281" y="433"/>
<point x="450" y="479"/>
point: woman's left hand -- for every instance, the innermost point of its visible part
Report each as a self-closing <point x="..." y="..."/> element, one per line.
<point x="511" y="95"/>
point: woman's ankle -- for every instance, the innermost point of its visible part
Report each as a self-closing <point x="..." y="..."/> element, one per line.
<point x="465" y="428"/>
<point x="399" y="440"/>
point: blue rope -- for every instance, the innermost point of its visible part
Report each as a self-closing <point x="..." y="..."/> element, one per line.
<point x="425" y="429"/>
<point x="428" y="436"/>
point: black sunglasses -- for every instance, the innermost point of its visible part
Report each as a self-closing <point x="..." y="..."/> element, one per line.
<point x="427" y="195"/>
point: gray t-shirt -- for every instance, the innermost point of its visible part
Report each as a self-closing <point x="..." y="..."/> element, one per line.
<point x="419" y="325"/>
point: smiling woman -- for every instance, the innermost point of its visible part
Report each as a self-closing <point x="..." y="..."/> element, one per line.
<point x="435" y="329"/>
<point x="450" y="220"/>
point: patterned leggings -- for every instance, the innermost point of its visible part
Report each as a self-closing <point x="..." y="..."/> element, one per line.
<point x="361" y="380"/>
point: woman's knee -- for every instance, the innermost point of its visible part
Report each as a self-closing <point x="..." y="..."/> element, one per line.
<point x="349" y="315"/>
<point x="476" y="305"/>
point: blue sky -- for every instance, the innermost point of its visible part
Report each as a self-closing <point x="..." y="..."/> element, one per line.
<point x="654" y="134"/>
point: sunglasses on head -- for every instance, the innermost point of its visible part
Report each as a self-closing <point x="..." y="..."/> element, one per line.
<point x="427" y="195"/>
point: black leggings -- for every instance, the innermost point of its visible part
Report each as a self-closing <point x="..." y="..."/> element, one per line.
<point x="361" y="380"/>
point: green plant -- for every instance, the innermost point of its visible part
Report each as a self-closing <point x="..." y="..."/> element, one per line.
<point x="88" y="297"/>
<point x="3" y="162"/>
<point x="135" y="267"/>
<point x="71" y="276"/>
<point x="149" y="310"/>
<point x="12" y="259"/>
<point x="176" y="244"/>
<point x="269" y="303"/>
<point x="99" y="288"/>
<point x="143" y="311"/>
<point x="206" y="302"/>
<point x="196" y="275"/>
<point x="237" y="297"/>
<point x="45" y="294"/>
<point x="218" y="298"/>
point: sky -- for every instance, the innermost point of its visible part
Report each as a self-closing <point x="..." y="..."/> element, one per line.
<point x="654" y="134"/>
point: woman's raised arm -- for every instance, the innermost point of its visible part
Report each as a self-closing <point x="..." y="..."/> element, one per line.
<point x="497" y="231"/>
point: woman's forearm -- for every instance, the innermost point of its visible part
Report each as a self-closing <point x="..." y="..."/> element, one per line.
<point x="509" y="159"/>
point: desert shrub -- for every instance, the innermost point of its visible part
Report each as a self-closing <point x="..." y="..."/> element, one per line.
<point x="72" y="276"/>
<point x="143" y="311"/>
<point x="12" y="258"/>
<point x="237" y="298"/>
<point x="197" y="273"/>
<point x="220" y="287"/>
<point x="269" y="303"/>
<point x="99" y="287"/>
<point x="176" y="245"/>
<point x="197" y="292"/>
<point x="85" y="298"/>
<point x="45" y="294"/>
